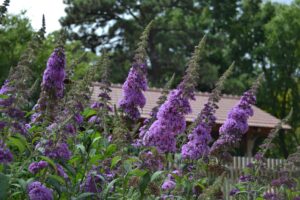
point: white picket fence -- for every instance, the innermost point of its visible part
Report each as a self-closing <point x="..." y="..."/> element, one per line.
<point x="236" y="169"/>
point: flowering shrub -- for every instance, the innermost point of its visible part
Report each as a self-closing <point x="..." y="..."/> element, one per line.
<point x="67" y="147"/>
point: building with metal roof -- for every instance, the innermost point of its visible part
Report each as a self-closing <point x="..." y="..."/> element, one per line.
<point x="260" y="123"/>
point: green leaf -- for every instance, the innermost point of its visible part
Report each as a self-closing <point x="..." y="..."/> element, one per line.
<point x="58" y="179"/>
<point x="16" y="193"/>
<point x="127" y="165"/>
<point x="56" y="184"/>
<point x="144" y="183"/>
<point x="18" y="142"/>
<point x="95" y="159"/>
<point x="4" y="185"/>
<point x="3" y="96"/>
<point x="115" y="161"/>
<point x="108" y="188"/>
<point x="84" y="195"/>
<point x="88" y="112"/>
<point x="156" y="175"/>
<point x="112" y="148"/>
<point x="137" y="172"/>
<point x="259" y="198"/>
<point x="81" y="147"/>
<point x="96" y="139"/>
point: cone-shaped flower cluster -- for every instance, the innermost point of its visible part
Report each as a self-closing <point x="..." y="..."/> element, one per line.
<point x="5" y="154"/>
<point x="232" y="131"/>
<point x="200" y="137"/>
<point x="169" y="183"/>
<point x="61" y="172"/>
<point x="92" y="182"/>
<point x="54" y="75"/>
<point x="37" y="191"/>
<point x="171" y="115"/>
<point x="170" y="122"/>
<point x="35" y="167"/>
<point x="148" y="122"/>
<point x="136" y="83"/>
<point x="102" y="105"/>
<point x="52" y="86"/>
<point x="57" y="151"/>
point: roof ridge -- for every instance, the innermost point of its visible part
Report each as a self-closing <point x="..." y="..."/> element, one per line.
<point x="155" y="89"/>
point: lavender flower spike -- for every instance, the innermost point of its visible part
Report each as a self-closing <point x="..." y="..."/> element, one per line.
<point x="35" y="167"/>
<point x="37" y="191"/>
<point x="133" y="97"/>
<point x="200" y="137"/>
<point x="92" y="183"/>
<point x="54" y="75"/>
<point x="236" y="125"/>
<point x="171" y="115"/>
<point x="5" y="154"/>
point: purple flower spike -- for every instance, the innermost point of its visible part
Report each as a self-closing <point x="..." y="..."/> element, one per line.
<point x="5" y="155"/>
<point x="58" y="151"/>
<point x="61" y="172"/>
<point x="246" y="178"/>
<point x="37" y="191"/>
<point x="94" y="120"/>
<point x="2" y="125"/>
<point x="71" y="129"/>
<point x="133" y="97"/>
<point x="234" y="192"/>
<point x="92" y="182"/>
<point x="197" y="145"/>
<point x="54" y="75"/>
<point x="236" y="125"/>
<point x="78" y="118"/>
<point x="6" y="88"/>
<point x="168" y="185"/>
<point x="35" y="167"/>
<point x="170" y="122"/>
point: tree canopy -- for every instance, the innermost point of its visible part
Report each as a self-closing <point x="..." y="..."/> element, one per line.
<point x="259" y="36"/>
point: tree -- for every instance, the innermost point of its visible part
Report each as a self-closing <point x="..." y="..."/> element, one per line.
<point x="280" y="61"/>
<point x="178" y="26"/>
<point x="15" y="32"/>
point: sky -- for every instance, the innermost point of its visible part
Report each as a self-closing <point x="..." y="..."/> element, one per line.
<point x="53" y="10"/>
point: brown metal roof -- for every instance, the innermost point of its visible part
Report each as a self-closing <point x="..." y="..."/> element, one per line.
<point x="260" y="119"/>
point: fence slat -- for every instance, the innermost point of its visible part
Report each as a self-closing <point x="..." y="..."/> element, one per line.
<point x="236" y="167"/>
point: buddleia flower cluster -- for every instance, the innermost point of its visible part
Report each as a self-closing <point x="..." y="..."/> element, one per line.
<point x="133" y="97"/>
<point x="93" y="182"/>
<point x="37" y="191"/>
<point x="35" y="167"/>
<point x="149" y="121"/>
<point x="171" y="115"/>
<point x="235" y="126"/>
<point x="169" y="183"/>
<point x="199" y="139"/>
<point x="52" y="87"/>
<point x="102" y="104"/>
<point x="151" y="161"/>
<point x="5" y="154"/>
